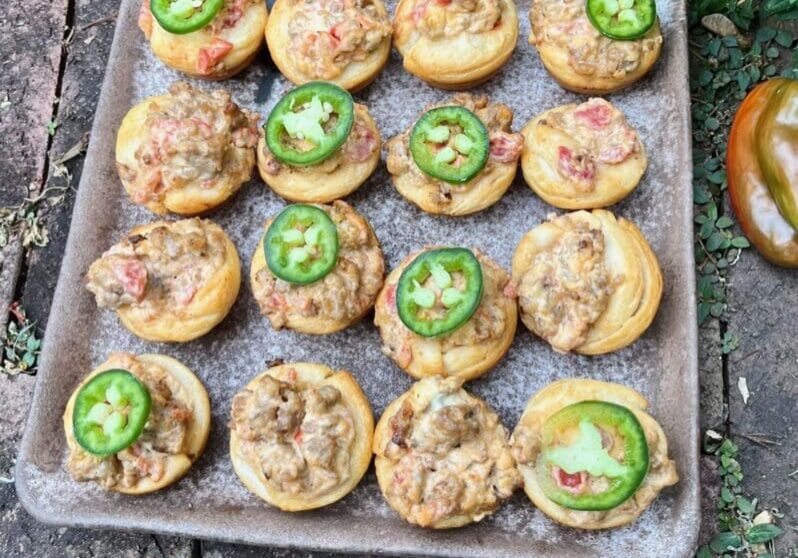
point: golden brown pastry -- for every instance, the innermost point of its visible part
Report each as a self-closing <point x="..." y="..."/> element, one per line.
<point x="335" y="177"/>
<point x="442" y="456"/>
<point x="337" y="300"/>
<point x="168" y="280"/>
<point x="187" y="151"/>
<point x="579" y="57"/>
<point x="468" y="351"/>
<point x="219" y="50"/>
<point x="587" y="282"/>
<point x="553" y="430"/>
<point x="346" y="42"/>
<point x="485" y="188"/>
<point x="582" y="156"/>
<point x="301" y="435"/>
<point x="173" y="437"/>
<point x="455" y="44"/>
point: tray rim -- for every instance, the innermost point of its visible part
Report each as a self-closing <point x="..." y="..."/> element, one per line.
<point x="185" y="528"/>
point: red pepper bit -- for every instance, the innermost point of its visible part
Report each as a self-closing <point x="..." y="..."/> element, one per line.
<point x="572" y="483"/>
<point x="298" y="436"/>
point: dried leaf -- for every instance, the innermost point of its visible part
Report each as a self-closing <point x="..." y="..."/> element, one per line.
<point x="720" y="25"/>
<point x="742" y="385"/>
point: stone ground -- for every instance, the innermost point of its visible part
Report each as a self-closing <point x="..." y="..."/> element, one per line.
<point x="52" y="69"/>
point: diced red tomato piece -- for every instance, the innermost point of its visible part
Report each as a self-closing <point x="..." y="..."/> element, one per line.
<point x="211" y="55"/>
<point x="133" y="276"/>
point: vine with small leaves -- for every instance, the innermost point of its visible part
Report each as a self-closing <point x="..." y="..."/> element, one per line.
<point x="22" y="344"/>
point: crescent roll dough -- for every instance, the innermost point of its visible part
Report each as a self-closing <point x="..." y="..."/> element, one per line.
<point x="334" y="302"/>
<point x="442" y="456"/>
<point x="301" y="435"/>
<point x="456" y="44"/>
<point x="169" y="281"/>
<point x="337" y="176"/>
<point x="582" y="156"/>
<point x="579" y="57"/>
<point x="219" y="50"/>
<point x="526" y="441"/>
<point x="146" y="469"/>
<point x="185" y="152"/>
<point x="347" y="43"/>
<point x="587" y="282"/>
<point x="467" y="352"/>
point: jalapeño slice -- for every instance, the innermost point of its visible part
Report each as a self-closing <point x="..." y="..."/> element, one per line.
<point x="450" y="144"/>
<point x="439" y="291"/>
<point x="184" y="16"/>
<point x="622" y="20"/>
<point x="310" y="123"/>
<point x="594" y="456"/>
<point x="301" y="244"/>
<point x="110" y="412"/>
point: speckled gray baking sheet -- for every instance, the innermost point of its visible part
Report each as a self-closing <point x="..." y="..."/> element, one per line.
<point x="210" y="502"/>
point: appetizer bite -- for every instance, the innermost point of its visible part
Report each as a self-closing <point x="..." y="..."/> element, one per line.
<point x="136" y="424"/>
<point x="762" y="173"/>
<point x="317" y="269"/>
<point x="346" y="42"/>
<point x="455" y="44"/>
<point x="187" y="151"/>
<point x="582" y="156"/>
<point x="587" y="282"/>
<point x="168" y="281"/>
<point x="596" y="47"/>
<point x="590" y="455"/>
<point x="318" y="144"/>
<point x="301" y="435"/>
<point x="211" y="39"/>
<point x="458" y="158"/>
<point x="443" y="459"/>
<point x="447" y="312"/>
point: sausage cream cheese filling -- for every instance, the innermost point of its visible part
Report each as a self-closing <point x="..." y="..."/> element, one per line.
<point x="600" y="135"/>
<point x="566" y="288"/>
<point x="301" y="439"/>
<point x="328" y="35"/>
<point x="344" y="293"/>
<point x="565" y="23"/>
<point x="163" y="436"/>
<point x="162" y="269"/>
<point x="191" y="138"/>
<point x="446" y="18"/>
<point x="443" y="458"/>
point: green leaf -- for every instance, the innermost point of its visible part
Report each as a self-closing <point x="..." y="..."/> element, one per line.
<point x="765" y="34"/>
<point x="714" y="241"/>
<point x="745" y="505"/>
<point x="772" y="52"/>
<point x="703" y="552"/>
<point x="763" y="533"/>
<point x="701" y="195"/>
<point x="703" y="312"/>
<point x="740" y="242"/>
<point x="716" y="309"/>
<point x="775" y="7"/>
<point x="725" y="541"/>
<point x="717" y="177"/>
<point x="724" y="222"/>
<point x="726" y="495"/>
<point x="785" y="38"/>
<point x="706" y="229"/>
<point x="712" y="123"/>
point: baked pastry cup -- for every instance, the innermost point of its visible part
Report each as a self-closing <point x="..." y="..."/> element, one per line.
<point x="579" y="57"/>
<point x="337" y="300"/>
<point x="466" y="352"/>
<point x="646" y="438"/>
<point x="437" y="196"/>
<point x="458" y="44"/>
<point x="442" y="456"/>
<point x="169" y="281"/>
<point x="582" y="156"/>
<point x="351" y="50"/>
<point x="221" y="49"/>
<point x="301" y="435"/>
<point x="187" y="151"/>
<point x="172" y="440"/>
<point x="333" y="178"/>
<point x="587" y="282"/>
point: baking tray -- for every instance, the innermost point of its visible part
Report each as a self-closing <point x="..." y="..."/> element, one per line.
<point x="210" y="502"/>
